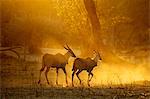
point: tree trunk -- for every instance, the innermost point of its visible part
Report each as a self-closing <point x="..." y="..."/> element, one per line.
<point x="98" y="35"/>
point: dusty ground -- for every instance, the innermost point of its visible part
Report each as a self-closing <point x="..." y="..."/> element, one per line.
<point x="74" y="93"/>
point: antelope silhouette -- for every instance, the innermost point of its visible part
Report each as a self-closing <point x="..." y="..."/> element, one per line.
<point x="57" y="61"/>
<point x="87" y="64"/>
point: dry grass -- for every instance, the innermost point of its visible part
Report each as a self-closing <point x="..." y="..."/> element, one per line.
<point x="76" y="92"/>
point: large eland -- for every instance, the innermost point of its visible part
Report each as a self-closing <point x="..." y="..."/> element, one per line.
<point x="57" y="61"/>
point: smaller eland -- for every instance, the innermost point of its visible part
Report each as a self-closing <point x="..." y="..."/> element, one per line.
<point x="87" y="64"/>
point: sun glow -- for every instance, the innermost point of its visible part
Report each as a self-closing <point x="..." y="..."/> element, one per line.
<point x="49" y="24"/>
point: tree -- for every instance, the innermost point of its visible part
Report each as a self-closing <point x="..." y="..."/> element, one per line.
<point x="98" y="34"/>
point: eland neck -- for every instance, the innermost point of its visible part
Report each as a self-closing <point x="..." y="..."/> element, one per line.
<point x="67" y="55"/>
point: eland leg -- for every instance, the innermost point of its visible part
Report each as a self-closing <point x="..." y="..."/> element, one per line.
<point x="89" y="79"/>
<point x="57" y="76"/>
<point x="78" y="75"/>
<point x="73" y="77"/>
<point x="42" y="69"/>
<point x="64" y="69"/>
<point x="91" y="76"/>
<point x="46" y="72"/>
